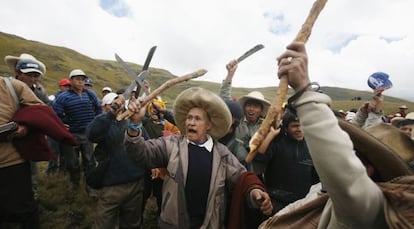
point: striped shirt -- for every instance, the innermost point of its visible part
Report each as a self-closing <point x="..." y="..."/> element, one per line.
<point x="77" y="111"/>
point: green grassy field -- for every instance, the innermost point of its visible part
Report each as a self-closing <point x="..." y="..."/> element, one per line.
<point x="60" y="208"/>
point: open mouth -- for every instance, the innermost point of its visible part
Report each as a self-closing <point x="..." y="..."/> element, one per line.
<point x="192" y="131"/>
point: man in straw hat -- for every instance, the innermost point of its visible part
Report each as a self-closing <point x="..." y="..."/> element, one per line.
<point x="353" y="199"/>
<point x="28" y="69"/>
<point x="200" y="170"/>
<point x="406" y="125"/>
<point x="254" y="107"/>
<point x="18" y="208"/>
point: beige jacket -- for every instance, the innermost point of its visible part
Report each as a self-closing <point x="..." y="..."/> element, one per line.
<point x="172" y="153"/>
<point x="8" y="153"/>
<point x="355" y="200"/>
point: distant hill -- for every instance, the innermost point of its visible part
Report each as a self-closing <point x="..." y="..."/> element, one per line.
<point x="61" y="60"/>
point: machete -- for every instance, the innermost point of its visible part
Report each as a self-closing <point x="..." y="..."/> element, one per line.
<point x="144" y="68"/>
<point x="130" y="72"/>
<point x="249" y="52"/>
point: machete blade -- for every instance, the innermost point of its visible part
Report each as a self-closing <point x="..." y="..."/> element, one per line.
<point x="144" y="68"/>
<point x="250" y="52"/>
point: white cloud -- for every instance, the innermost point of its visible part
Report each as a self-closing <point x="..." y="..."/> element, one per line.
<point x="350" y="40"/>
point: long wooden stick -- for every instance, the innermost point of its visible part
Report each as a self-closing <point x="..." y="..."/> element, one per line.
<point x="162" y="88"/>
<point x="275" y="111"/>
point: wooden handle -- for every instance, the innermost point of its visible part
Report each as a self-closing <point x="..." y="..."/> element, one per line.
<point x="274" y="113"/>
<point x="162" y="88"/>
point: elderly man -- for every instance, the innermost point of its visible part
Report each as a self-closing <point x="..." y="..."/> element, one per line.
<point x="200" y="170"/>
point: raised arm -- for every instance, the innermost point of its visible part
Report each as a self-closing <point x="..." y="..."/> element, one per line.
<point x="339" y="169"/>
<point x="225" y="88"/>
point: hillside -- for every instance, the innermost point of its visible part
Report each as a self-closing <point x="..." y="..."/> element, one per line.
<point x="60" y="61"/>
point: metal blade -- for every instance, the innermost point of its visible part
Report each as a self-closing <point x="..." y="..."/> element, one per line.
<point x="149" y="58"/>
<point x="128" y="69"/>
<point x="250" y="52"/>
<point x="133" y="85"/>
<point x="145" y="67"/>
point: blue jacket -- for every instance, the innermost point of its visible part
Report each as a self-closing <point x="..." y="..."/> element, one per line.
<point x="109" y="134"/>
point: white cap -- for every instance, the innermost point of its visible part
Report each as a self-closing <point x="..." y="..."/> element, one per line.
<point x="108" y="98"/>
<point x="107" y="89"/>
<point x="77" y="72"/>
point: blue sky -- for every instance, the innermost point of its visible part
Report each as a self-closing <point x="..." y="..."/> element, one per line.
<point x="350" y="40"/>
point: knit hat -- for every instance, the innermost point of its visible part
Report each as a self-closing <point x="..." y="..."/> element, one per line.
<point x="215" y="107"/>
<point x="25" y="63"/>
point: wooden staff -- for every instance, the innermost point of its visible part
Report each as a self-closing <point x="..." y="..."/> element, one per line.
<point x="162" y="88"/>
<point x="275" y="111"/>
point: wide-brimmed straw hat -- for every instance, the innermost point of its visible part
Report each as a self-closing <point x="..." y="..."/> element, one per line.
<point x="25" y="63"/>
<point x="383" y="146"/>
<point x="215" y="107"/>
<point x="258" y="96"/>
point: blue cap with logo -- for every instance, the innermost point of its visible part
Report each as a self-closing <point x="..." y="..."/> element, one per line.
<point x="379" y="80"/>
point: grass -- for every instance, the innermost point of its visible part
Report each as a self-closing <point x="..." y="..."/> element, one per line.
<point x="60" y="208"/>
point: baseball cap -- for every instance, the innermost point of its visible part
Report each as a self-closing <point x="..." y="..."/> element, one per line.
<point x="25" y="63"/>
<point x="64" y="82"/>
<point x="109" y="98"/>
<point x="88" y="81"/>
<point x="107" y="89"/>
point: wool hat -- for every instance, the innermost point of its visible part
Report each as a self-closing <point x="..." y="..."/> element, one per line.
<point x="25" y="63"/>
<point x="64" y="82"/>
<point x="258" y="96"/>
<point x="77" y="72"/>
<point x="215" y="107"/>
<point x="389" y="160"/>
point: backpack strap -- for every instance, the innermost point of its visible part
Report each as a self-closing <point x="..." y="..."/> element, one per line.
<point x="91" y="99"/>
<point x="11" y="89"/>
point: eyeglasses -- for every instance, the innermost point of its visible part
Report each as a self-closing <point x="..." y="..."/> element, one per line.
<point x="32" y="74"/>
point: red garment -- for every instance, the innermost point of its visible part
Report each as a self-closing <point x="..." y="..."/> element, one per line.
<point x="239" y="213"/>
<point x="41" y="120"/>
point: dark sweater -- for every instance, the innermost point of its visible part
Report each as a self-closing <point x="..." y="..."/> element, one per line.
<point x="198" y="183"/>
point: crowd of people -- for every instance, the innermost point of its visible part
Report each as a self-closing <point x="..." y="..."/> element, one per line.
<point x="318" y="168"/>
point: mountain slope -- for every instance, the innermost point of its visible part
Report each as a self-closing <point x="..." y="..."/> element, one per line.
<point x="60" y="61"/>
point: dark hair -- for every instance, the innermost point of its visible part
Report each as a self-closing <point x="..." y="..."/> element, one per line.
<point x="288" y="117"/>
<point x="235" y="110"/>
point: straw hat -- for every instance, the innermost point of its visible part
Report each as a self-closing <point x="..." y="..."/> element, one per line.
<point x="258" y="96"/>
<point x="384" y="147"/>
<point x="215" y="107"/>
<point x="25" y="63"/>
